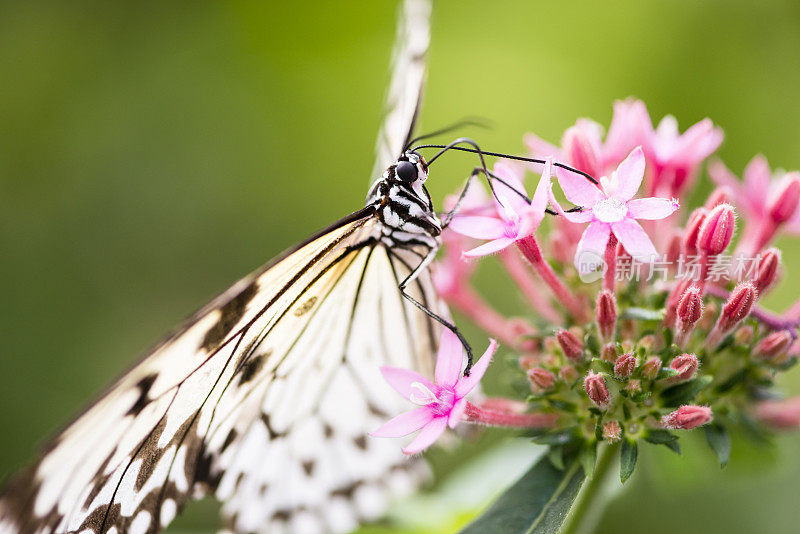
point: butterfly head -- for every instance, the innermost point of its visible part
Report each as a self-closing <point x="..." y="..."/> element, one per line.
<point x="410" y="168"/>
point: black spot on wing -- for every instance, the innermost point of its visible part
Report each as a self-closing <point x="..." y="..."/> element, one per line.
<point x="144" y="386"/>
<point x="230" y="314"/>
<point x="252" y="366"/>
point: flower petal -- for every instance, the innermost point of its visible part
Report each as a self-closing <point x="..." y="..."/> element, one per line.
<point x="651" y="208"/>
<point x="721" y="175"/>
<point x="456" y="413"/>
<point x="630" y="174"/>
<point x="540" y="148"/>
<point x="427" y="435"/>
<point x="402" y="379"/>
<point x="405" y="423"/>
<point x="466" y="384"/>
<point x="634" y="239"/>
<point x="592" y="247"/>
<point x="449" y="359"/>
<point x="478" y="226"/>
<point x="757" y="177"/>
<point x="578" y="189"/>
<point x="490" y="248"/>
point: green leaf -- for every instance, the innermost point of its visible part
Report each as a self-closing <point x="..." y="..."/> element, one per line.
<point x="685" y="392"/>
<point x="536" y="504"/>
<point x="627" y="459"/>
<point x="674" y="446"/>
<point x="642" y="314"/>
<point x="589" y="458"/>
<point x="719" y="441"/>
<point x="556" y="438"/>
<point x="735" y="379"/>
<point x="660" y="436"/>
<point x="556" y="457"/>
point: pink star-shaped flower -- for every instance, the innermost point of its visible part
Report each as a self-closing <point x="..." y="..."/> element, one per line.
<point x="442" y="403"/>
<point x="756" y="191"/>
<point x="514" y="217"/>
<point x="612" y="209"/>
<point x="676" y="157"/>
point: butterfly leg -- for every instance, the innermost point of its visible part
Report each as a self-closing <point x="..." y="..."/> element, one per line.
<point x="438" y="318"/>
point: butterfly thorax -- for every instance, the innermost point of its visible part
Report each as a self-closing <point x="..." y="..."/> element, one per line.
<point x="404" y="206"/>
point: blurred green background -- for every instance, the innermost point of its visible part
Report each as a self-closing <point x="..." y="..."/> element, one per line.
<point x="153" y="152"/>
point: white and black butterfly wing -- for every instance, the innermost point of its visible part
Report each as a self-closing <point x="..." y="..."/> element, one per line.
<point x="264" y="398"/>
<point x="404" y="97"/>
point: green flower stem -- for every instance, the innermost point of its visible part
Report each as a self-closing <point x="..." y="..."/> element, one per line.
<point x="591" y="491"/>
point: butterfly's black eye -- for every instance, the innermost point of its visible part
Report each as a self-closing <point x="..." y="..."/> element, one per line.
<point x="406" y="171"/>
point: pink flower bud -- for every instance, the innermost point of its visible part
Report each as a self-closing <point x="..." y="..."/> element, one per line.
<point x="651" y="368"/>
<point x="783" y="413"/>
<point x="674" y="248"/>
<point x="690" y="233"/>
<point x="744" y="335"/>
<point x="609" y="352"/>
<point x="528" y="361"/>
<point x="767" y="270"/>
<point x="541" y="379"/>
<point x="568" y="374"/>
<point x="597" y="390"/>
<point x="612" y="431"/>
<point x="625" y="365"/>
<point x="716" y="232"/>
<point x="687" y="417"/>
<point x="606" y="314"/>
<point x="739" y="304"/>
<point x="720" y="195"/>
<point x="690" y="309"/>
<point x="634" y="386"/>
<point x="783" y="205"/>
<point x="571" y="345"/>
<point x="686" y="365"/>
<point x="690" y="306"/>
<point x="775" y="347"/>
<point x="647" y="342"/>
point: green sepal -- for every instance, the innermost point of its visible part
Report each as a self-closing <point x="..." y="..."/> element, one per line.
<point x="720" y="442"/>
<point x="602" y="366"/>
<point x="592" y="344"/>
<point x="666" y="372"/>
<point x="685" y="392"/>
<point x="628" y="454"/>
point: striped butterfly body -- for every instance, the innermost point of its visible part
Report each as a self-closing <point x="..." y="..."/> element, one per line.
<point x="265" y="397"/>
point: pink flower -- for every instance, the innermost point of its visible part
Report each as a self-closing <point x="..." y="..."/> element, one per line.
<point x="676" y="157"/>
<point x="582" y="145"/>
<point x="757" y="191"/>
<point x="515" y="218"/>
<point x="442" y="403"/>
<point x="612" y="209"/>
<point x="766" y="199"/>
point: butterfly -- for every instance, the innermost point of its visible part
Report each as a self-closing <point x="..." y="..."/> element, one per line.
<point x="264" y="397"/>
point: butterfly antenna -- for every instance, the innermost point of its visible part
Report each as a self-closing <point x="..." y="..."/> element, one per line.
<point x="479" y="122"/>
<point x="476" y="150"/>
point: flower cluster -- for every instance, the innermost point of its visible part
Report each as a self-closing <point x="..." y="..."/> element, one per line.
<point x="610" y="359"/>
